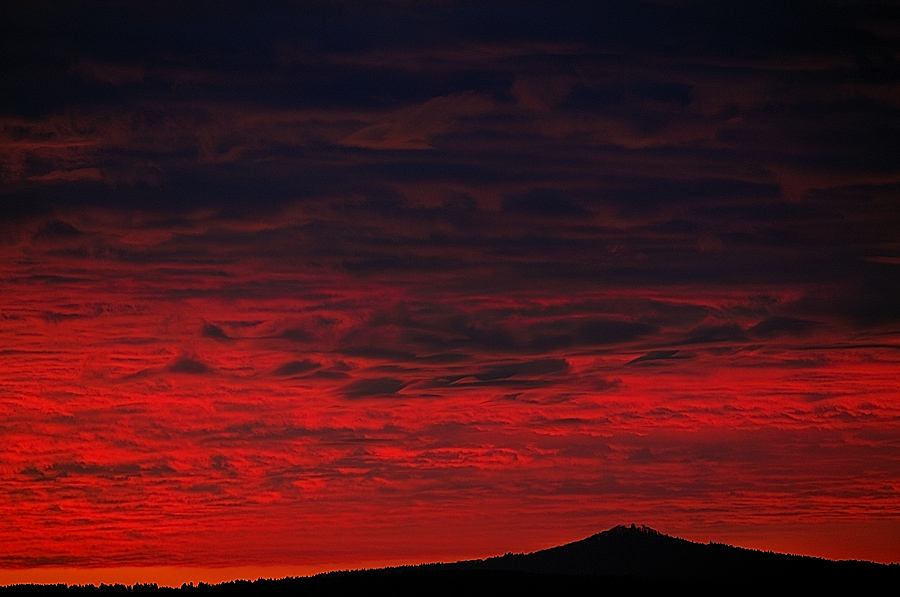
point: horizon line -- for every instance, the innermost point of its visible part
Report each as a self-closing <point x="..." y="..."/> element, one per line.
<point x="176" y="576"/>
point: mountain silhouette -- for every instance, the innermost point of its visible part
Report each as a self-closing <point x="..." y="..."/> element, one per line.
<point x="625" y="560"/>
<point x="643" y="553"/>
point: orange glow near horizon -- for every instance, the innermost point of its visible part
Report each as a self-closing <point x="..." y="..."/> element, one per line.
<point x="833" y="541"/>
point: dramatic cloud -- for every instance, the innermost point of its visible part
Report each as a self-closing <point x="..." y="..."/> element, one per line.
<point x="334" y="283"/>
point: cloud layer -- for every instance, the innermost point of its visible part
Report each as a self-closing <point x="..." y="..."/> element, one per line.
<point x="411" y="281"/>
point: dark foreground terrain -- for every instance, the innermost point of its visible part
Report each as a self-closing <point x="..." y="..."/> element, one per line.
<point x="620" y="561"/>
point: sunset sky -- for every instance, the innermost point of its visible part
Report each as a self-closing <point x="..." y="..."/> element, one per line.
<point x="293" y="287"/>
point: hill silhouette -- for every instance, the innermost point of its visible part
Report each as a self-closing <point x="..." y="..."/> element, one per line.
<point x="632" y="560"/>
<point x="643" y="553"/>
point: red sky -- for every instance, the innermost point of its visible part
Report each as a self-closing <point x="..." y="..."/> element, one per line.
<point x="290" y="290"/>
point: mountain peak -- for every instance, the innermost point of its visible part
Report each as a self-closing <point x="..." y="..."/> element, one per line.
<point x="640" y="552"/>
<point x="625" y="529"/>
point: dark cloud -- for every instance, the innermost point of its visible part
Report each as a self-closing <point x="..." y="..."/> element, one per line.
<point x="715" y="334"/>
<point x="543" y="203"/>
<point x="296" y="367"/>
<point x="602" y="332"/>
<point x="378" y="386"/>
<point x="374" y="352"/>
<point x="870" y="299"/>
<point x="189" y="365"/>
<point x="655" y="355"/>
<point x="776" y="326"/>
<point x="214" y="331"/>
<point x="537" y="373"/>
<point x="61" y="470"/>
<point x="57" y="228"/>
<point x="44" y="561"/>
<point x="330" y="375"/>
<point x="55" y="317"/>
<point x="606" y="384"/>
<point x="527" y="369"/>
<point x="296" y="335"/>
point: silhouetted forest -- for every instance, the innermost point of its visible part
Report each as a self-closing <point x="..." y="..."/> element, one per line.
<point x="621" y="561"/>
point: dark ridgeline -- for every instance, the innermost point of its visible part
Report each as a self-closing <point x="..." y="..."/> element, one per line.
<point x="621" y="561"/>
<point x="648" y="555"/>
